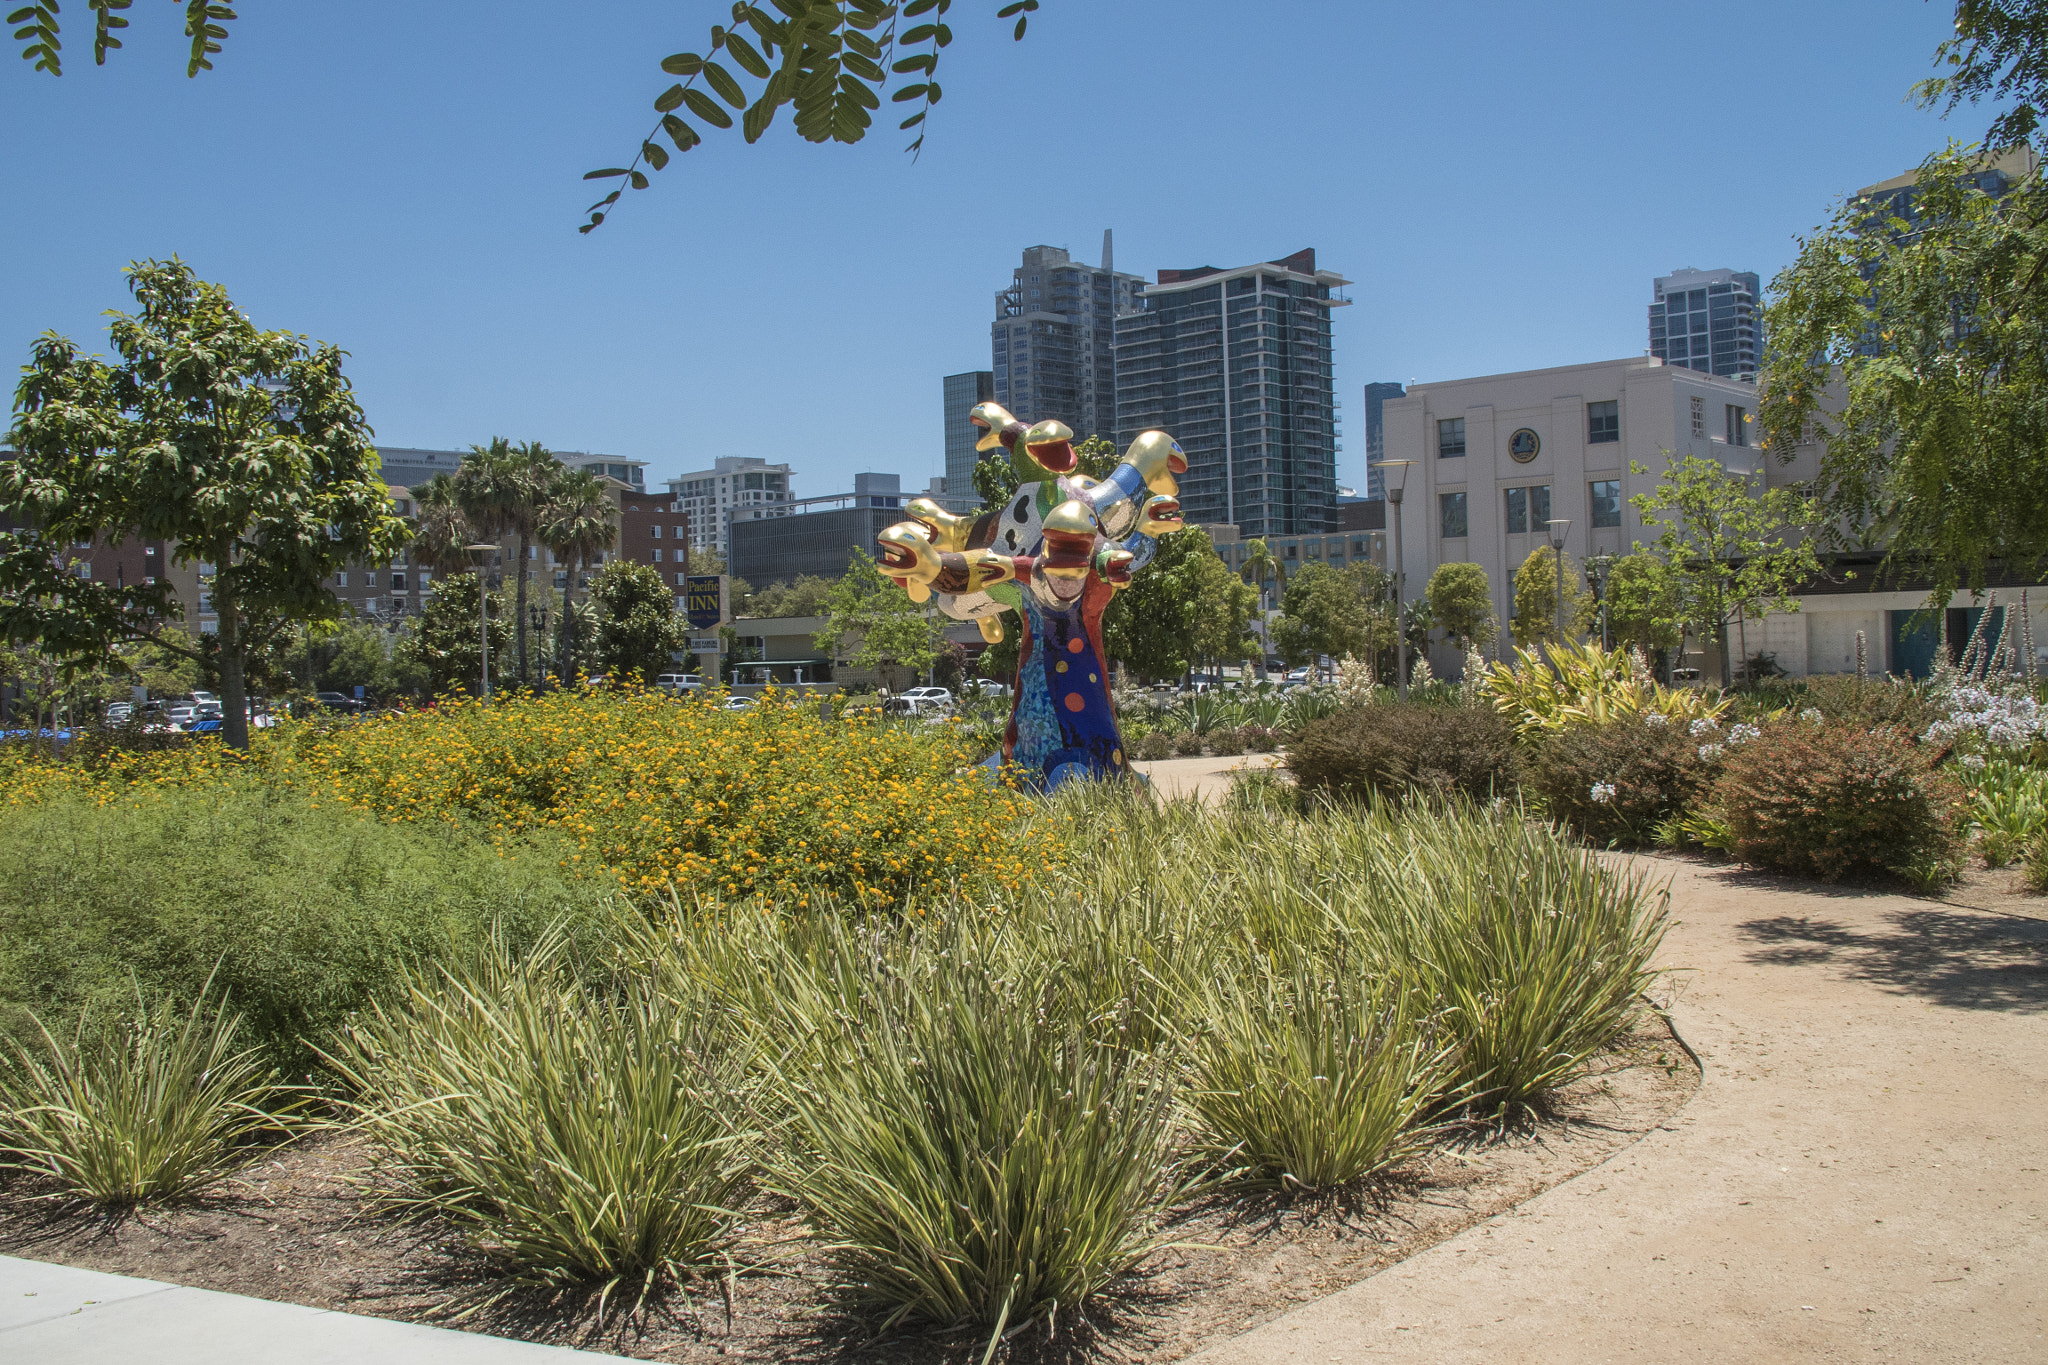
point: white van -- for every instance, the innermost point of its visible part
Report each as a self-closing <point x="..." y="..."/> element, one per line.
<point x="679" y="682"/>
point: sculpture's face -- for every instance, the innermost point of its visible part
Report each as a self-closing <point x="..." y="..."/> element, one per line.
<point x="1035" y="451"/>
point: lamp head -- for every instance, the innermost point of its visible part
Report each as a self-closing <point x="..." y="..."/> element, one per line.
<point x="1395" y="473"/>
<point x="1558" y="526"/>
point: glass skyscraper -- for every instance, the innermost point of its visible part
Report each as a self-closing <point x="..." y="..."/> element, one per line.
<point x="1707" y="320"/>
<point x="1236" y="365"/>
<point x="1051" y="343"/>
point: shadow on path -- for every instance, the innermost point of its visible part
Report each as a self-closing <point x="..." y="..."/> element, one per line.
<point x="1959" y="959"/>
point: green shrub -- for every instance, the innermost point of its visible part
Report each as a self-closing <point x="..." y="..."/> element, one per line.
<point x="1152" y="745"/>
<point x="1260" y="789"/>
<point x="1395" y="749"/>
<point x="150" y="1107"/>
<point x="1829" y="800"/>
<point x="1226" y="742"/>
<point x="1187" y="744"/>
<point x="1306" y="1075"/>
<point x="2008" y="804"/>
<point x="1882" y="700"/>
<point x="578" y="1133"/>
<point x="298" y="914"/>
<point x="1260" y="739"/>
<point x="1617" y="783"/>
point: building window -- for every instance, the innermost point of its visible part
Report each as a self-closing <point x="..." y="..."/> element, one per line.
<point x="398" y="582"/>
<point x="369" y="606"/>
<point x="1606" y="502"/>
<point x="341" y="579"/>
<point x="655" y="532"/>
<point x="1699" y="418"/>
<point x="85" y="571"/>
<point x="677" y="531"/>
<point x="1603" y="422"/>
<point x="1738" y="425"/>
<point x="1450" y="438"/>
<point x="682" y="580"/>
<point x="369" y="580"/>
<point x="657" y="557"/>
<point x="1528" y="508"/>
<point x="1450" y="511"/>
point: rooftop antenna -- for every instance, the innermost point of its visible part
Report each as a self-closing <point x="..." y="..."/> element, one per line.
<point x="1108" y="255"/>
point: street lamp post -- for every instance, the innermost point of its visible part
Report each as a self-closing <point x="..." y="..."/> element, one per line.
<point x="1395" y="473"/>
<point x="1558" y="526"/>
<point x="483" y="613"/>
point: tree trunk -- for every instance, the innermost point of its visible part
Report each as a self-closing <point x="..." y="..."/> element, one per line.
<point x="234" y="693"/>
<point x="519" y="610"/>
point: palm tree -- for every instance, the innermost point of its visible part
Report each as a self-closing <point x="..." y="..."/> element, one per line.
<point x="440" y="531"/>
<point x="1259" y="562"/>
<point x="503" y="489"/>
<point x="576" y="525"/>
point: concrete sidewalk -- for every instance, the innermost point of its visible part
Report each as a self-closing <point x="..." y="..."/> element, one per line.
<point x="1206" y="778"/>
<point x="56" y="1315"/>
<point x="1860" y="1176"/>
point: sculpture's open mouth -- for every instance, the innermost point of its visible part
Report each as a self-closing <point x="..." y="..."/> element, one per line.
<point x="1056" y="457"/>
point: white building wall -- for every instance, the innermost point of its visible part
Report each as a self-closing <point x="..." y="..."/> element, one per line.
<point x="1656" y="408"/>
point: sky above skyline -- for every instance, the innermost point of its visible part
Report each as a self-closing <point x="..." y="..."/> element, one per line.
<point x="1501" y="181"/>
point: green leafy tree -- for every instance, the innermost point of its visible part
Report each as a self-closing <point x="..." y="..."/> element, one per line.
<point x="1324" y="611"/>
<point x="1726" y="548"/>
<point x="577" y="526"/>
<point x="871" y="622"/>
<point x="1999" y="53"/>
<point x="445" y="646"/>
<point x="637" y="624"/>
<point x="243" y="448"/>
<point x="1535" y="619"/>
<point x="359" y="654"/>
<point x="1182" y="608"/>
<point x="1641" y="610"/>
<point x="1461" y="603"/>
<point x="806" y="595"/>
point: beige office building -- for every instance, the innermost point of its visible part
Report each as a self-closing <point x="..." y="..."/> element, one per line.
<point x="1496" y="457"/>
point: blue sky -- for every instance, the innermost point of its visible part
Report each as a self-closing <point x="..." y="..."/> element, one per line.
<point x="1501" y="180"/>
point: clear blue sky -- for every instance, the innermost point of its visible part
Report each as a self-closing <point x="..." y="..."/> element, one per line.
<point x="1502" y="181"/>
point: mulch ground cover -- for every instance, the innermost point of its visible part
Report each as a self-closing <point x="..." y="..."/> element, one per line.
<point x="295" y="1227"/>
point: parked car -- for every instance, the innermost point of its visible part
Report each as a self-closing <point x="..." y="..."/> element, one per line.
<point x="679" y="682"/>
<point x="181" y="715"/>
<point x="930" y="697"/>
<point x="339" y="702"/>
<point x="120" y="713"/>
<point x="738" y="704"/>
<point x="987" y="687"/>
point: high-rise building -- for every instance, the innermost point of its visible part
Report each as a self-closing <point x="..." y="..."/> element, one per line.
<point x="1706" y="320"/>
<point x="1236" y="365"/>
<point x="963" y="391"/>
<point x="1052" y="340"/>
<point x="1376" y="396"/>
<point x="736" y="488"/>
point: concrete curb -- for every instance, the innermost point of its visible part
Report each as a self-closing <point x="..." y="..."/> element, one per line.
<point x="59" y="1315"/>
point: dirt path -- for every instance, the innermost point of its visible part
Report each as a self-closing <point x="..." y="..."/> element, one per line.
<point x="1859" y="1178"/>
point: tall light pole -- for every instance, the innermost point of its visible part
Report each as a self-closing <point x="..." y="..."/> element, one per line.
<point x="483" y="612"/>
<point x="1395" y="473"/>
<point x="1558" y="526"/>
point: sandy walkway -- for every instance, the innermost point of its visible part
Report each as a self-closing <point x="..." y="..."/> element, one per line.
<point x="1859" y="1178"/>
<point x="1207" y="778"/>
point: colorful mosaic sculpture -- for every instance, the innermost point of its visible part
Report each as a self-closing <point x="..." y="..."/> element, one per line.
<point x="1056" y="552"/>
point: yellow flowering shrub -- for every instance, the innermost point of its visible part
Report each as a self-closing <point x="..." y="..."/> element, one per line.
<point x="775" y="801"/>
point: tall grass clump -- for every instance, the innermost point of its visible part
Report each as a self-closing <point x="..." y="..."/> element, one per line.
<point x="577" y="1126"/>
<point x="1307" y="1076"/>
<point x="154" y="1107"/>
<point x="968" y="1152"/>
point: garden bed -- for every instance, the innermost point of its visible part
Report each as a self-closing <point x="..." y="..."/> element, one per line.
<point x="293" y="1227"/>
